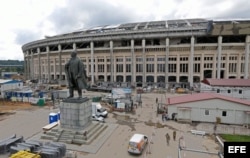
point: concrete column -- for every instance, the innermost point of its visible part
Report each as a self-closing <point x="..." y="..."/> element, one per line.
<point x="166" y="62"/>
<point x="191" y="63"/>
<point x="27" y="68"/>
<point x="111" y="61"/>
<point x="74" y="47"/>
<point x="105" y="69"/>
<point x="155" y="68"/>
<point x="54" y="63"/>
<point x="247" y="44"/>
<point x="39" y="64"/>
<point x="133" y="66"/>
<point x="226" y="72"/>
<point x="238" y="66"/>
<point x="60" y="62"/>
<point x="202" y="67"/>
<point x="214" y="66"/>
<point x="124" y="69"/>
<point x="48" y="60"/>
<point x="178" y="68"/>
<point x="32" y="65"/>
<point x="144" y="62"/>
<point x="114" y="68"/>
<point x="219" y="49"/>
<point x="92" y="62"/>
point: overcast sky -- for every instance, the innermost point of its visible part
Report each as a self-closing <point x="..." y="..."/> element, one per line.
<point x="24" y="21"/>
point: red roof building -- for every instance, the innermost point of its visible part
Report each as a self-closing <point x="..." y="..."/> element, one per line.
<point x="204" y="96"/>
<point x="238" y="88"/>
<point x="208" y="107"/>
<point x="227" y="82"/>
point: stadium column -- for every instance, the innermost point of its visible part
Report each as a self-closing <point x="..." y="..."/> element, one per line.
<point x="166" y="62"/>
<point x="60" y="62"/>
<point x="238" y="66"/>
<point x="27" y="66"/>
<point x="247" y="44"/>
<point x="133" y="62"/>
<point x="214" y="65"/>
<point x="92" y="61"/>
<point x="32" y="64"/>
<point x="39" y="64"/>
<point x="111" y="62"/>
<point x="227" y="68"/>
<point x="219" y="48"/>
<point x="144" y="63"/>
<point x="178" y="68"/>
<point x="48" y="61"/>
<point x="191" y="63"/>
<point x="105" y="69"/>
<point x="202" y="67"/>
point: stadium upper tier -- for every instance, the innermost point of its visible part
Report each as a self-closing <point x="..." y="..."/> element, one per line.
<point x="151" y="29"/>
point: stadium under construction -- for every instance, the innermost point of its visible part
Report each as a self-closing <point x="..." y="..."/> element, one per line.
<point x="163" y="53"/>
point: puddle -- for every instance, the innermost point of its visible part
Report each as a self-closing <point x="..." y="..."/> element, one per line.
<point x="125" y="120"/>
<point x="130" y="122"/>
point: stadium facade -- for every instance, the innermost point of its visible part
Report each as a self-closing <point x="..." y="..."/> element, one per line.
<point x="167" y="52"/>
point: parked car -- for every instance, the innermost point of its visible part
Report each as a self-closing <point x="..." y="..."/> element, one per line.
<point x="97" y="118"/>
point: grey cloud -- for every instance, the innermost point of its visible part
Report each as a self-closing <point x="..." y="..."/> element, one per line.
<point x="239" y="10"/>
<point x="89" y="14"/>
<point x="25" y="36"/>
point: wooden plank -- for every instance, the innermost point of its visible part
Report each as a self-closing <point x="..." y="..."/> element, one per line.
<point x="49" y="126"/>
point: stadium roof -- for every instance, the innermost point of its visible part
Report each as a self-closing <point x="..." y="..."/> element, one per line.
<point x="144" y="26"/>
<point x="164" y="24"/>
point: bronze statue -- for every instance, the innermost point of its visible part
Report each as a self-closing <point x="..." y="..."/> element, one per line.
<point x="76" y="75"/>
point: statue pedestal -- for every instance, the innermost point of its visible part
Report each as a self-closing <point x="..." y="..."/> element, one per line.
<point x="75" y="113"/>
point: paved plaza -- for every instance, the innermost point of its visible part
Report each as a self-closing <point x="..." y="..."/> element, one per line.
<point x="114" y="141"/>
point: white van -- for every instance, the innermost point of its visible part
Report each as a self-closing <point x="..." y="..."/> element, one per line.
<point x="98" y="110"/>
<point x="137" y="143"/>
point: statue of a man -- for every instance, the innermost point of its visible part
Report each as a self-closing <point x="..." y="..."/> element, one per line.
<point x="76" y="75"/>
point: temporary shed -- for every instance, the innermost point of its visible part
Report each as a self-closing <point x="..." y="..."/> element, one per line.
<point x="209" y="107"/>
<point x="6" y="85"/>
<point x="238" y="88"/>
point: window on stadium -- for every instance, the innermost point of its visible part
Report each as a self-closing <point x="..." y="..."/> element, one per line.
<point x="119" y="67"/>
<point x="139" y="67"/>
<point x="197" y="68"/>
<point x="128" y="59"/>
<point x="139" y="59"/>
<point x="171" y="67"/>
<point x="150" y="59"/>
<point x="160" y="67"/>
<point x="128" y="67"/>
<point x="108" y="68"/>
<point x="150" y="68"/>
<point x="161" y="59"/>
<point x="184" y="68"/>
<point x="100" y="67"/>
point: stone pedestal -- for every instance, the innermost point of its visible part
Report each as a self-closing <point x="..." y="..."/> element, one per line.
<point x="75" y="113"/>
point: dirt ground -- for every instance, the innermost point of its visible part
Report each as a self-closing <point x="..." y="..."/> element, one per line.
<point x="8" y="108"/>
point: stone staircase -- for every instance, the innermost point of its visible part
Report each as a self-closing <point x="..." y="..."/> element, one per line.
<point x="86" y="136"/>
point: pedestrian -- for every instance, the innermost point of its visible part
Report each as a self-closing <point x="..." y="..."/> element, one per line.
<point x="215" y="127"/>
<point x="53" y="99"/>
<point x="156" y="100"/>
<point x="163" y="117"/>
<point x="166" y="116"/>
<point x="167" y="138"/>
<point x="174" y="135"/>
